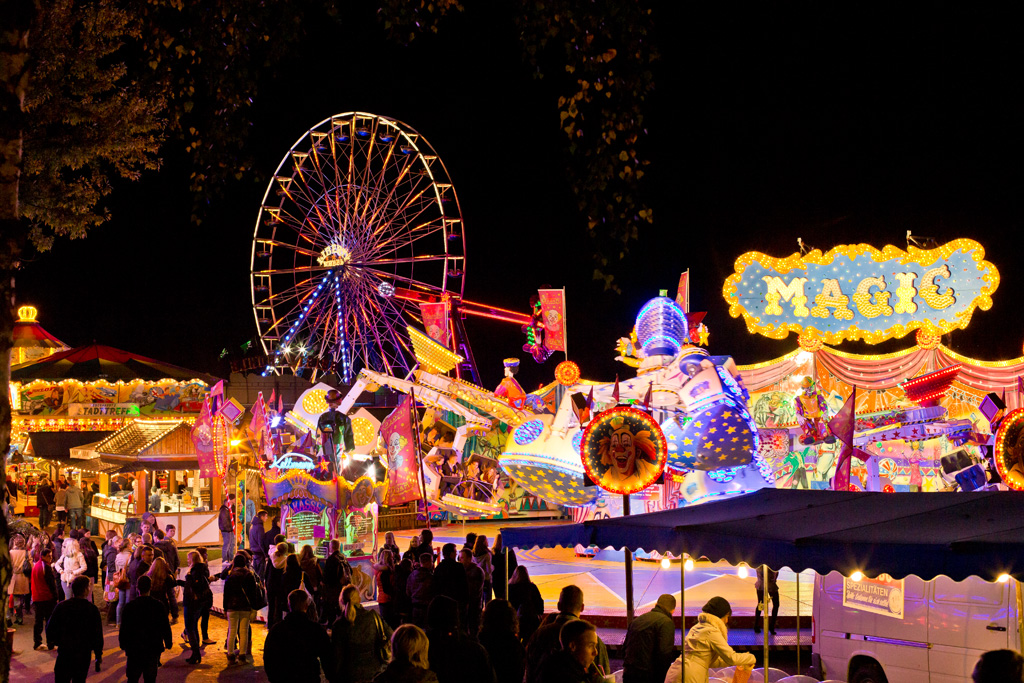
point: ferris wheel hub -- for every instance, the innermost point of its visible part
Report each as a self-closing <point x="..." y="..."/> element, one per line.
<point x="333" y="256"/>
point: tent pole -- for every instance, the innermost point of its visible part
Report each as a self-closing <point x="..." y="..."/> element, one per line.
<point x="629" y="567"/>
<point x="764" y="614"/>
<point x="798" y="623"/>
<point x="682" y="613"/>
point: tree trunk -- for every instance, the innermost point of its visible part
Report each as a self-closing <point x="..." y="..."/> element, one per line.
<point x="15" y="21"/>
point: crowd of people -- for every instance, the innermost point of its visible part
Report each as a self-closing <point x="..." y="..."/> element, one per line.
<point x="445" y="616"/>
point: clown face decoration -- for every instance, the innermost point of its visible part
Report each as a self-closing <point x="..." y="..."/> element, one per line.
<point x="623" y="450"/>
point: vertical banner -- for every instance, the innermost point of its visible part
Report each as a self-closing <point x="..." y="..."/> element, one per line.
<point x="202" y="437"/>
<point x="683" y="292"/>
<point x="403" y="469"/>
<point x="435" y="321"/>
<point x="552" y="302"/>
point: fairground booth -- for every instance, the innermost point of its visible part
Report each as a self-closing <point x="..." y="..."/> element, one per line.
<point x="99" y="415"/>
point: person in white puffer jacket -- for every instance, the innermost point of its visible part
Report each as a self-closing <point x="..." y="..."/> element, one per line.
<point x="707" y="645"/>
<point x="70" y="564"/>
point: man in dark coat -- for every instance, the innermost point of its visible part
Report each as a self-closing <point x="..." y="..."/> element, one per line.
<point x="76" y="630"/>
<point x="650" y="644"/>
<point x="420" y="588"/>
<point x="145" y="633"/>
<point x="256" y="544"/>
<point x="337" y="575"/>
<point x="226" y="525"/>
<point x="296" y="647"/>
<point x="45" y="499"/>
<point x="545" y="641"/>
<point x="450" y="576"/>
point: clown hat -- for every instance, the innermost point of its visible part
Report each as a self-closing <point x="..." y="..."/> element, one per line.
<point x="511" y="362"/>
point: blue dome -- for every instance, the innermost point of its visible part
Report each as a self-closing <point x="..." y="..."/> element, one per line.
<point x="661" y="327"/>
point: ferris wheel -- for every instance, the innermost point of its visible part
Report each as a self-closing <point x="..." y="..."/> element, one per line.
<point x="358" y="225"/>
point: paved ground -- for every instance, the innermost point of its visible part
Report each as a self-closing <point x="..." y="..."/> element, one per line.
<point x="32" y="665"/>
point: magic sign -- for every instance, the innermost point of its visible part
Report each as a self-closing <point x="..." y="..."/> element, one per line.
<point x="860" y="292"/>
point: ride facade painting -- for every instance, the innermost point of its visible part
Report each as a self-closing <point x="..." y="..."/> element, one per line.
<point x="860" y="292"/>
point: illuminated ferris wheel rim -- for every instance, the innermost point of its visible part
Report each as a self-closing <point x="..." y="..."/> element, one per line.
<point x="356" y="273"/>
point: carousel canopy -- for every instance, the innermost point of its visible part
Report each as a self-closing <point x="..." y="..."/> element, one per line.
<point x="28" y="332"/>
<point x="95" y="361"/>
<point x="925" y="534"/>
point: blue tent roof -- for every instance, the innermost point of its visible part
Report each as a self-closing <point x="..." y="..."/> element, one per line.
<point x="925" y="534"/>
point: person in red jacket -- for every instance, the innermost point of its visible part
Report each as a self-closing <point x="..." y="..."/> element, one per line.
<point x="44" y="596"/>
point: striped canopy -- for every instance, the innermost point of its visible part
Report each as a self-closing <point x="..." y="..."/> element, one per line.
<point x="95" y="361"/>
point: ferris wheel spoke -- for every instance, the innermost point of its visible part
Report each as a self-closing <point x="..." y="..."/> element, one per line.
<point x="285" y="245"/>
<point x="292" y="271"/>
<point x="422" y="286"/>
<point x="395" y="261"/>
<point x="422" y="231"/>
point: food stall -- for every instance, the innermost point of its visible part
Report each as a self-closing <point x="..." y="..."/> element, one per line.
<point x="160" y="452"/>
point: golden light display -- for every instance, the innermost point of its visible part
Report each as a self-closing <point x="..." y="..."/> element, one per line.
<point x="363" y="431"/>
<point x="432" y="355"/>
<point x="874" y="301"/>
<point x="315" y="402"/>
<point x="567" y="373"/>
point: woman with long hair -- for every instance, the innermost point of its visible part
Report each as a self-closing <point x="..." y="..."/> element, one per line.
<point x="392" y="545"/>
<point x="359" y="637"/>
<point x="525" y="598"/>
<point x="163" y="586"/>
<point x="121" y="560"/>
<point x="409" y="662"/>
<point x="197" y="596"/>
<point x="293" y="579"/>
<point x="482" y="559"/>
<point x="20" y="588"/>
<point x="499" y="635"/>
<point x="70" y="565"/>
<point x="384" y="571"/>
<point x="413" y="553"/>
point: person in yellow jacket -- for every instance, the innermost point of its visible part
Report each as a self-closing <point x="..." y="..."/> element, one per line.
<point x="707" y="645"/>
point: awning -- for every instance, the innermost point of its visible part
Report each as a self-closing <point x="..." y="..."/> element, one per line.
<point x="56" y="447"/>
<point x="85" y="452"/>
<point x="925" y="534"/>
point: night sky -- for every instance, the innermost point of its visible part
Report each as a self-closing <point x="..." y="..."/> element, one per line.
<point x="767" y="124"/>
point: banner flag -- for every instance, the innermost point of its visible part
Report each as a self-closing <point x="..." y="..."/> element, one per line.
<point x="403" y="465"/>
<point x="552" y="302"/>
<point x="202" y="437"/>
<point x="683" y="292"/>
<point x="435" y="321"/>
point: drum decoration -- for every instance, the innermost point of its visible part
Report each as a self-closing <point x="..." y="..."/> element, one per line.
<point x="623" y="450"/>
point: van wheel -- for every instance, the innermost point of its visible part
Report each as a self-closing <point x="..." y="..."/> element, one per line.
<point x="868" y="672"/>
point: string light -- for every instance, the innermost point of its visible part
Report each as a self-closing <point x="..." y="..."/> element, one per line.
<point x="284" y="348"/>
<point x="1011" y="476"/>
<point x="602" y="427"/>
<point x="835" y="331"/>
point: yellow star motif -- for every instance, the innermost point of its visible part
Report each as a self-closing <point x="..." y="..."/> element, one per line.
<point x="721" y="457"/>
<point x="731" y="430"/>
<point x="735" y="439"/>
<point x="698" y="424"/>
<point x="687" y="441"/>
<point x="672" y="437"/>
<point x="726" y="415"/>
<point x="712" y="430"/>
<point x="718" y="450"/>
<point x="708" y="444"/>
<point x="746" y="431"/>
<point x="688" y="454"/>
<point x="702" y="335"/>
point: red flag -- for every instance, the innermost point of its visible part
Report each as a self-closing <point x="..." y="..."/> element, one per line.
<point x="216" y="396"/>
<point x="552" y="304"/>
<point x="280" y="404"/>
<point x="202" y="437"/>
<point x="272" y="403"/>
<point x="258" y="423"/>
<point x="647" y="398"/>
<point x="683" y="292"/>
<point x="306" y="444"/>
<point x="435" y="321"/>
<point x="403" y="465"/>
<point x="842" y="425"/>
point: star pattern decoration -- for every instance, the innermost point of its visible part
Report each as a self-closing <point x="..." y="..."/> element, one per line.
<point x="716" y="438"/>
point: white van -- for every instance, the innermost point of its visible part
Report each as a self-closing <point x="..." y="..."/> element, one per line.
<point x="946" y="626"/>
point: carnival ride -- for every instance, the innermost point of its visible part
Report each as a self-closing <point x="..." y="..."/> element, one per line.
<point x="359" y="227"/>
